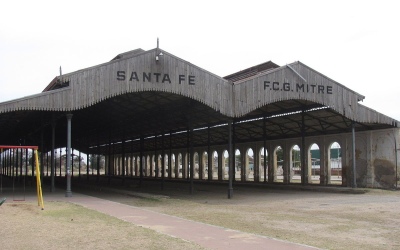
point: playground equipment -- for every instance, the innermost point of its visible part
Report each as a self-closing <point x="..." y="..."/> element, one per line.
<point x="9" y="166"/>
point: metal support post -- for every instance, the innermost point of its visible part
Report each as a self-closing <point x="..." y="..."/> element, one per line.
<point x="231" y="160"/>
<point x="53" y="161"/>
<point x="68" y="192"/>
<point x="354" y="154"/>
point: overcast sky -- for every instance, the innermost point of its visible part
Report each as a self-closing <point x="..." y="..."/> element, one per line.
<point x="356" y="43"/>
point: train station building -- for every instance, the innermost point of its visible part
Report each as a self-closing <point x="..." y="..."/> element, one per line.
<point x="151" y="115"/>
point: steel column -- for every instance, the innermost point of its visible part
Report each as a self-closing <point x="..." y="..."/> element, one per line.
<point x="304" y="167"/>
<point x="265" y="149"/>
<point x="231" y="159"/>
<point x="68" y="192"/>
<point x="162" y="161"/>
<point x="53" y="161"/>
<point x="353" y="133"/>
<point x="141" y="160"/>
<point x="191" y="163"/>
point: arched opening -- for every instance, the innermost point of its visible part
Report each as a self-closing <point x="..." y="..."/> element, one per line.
<point x="214" y="167"/>
<point x="249" y="165"/>
<point x="314" y="163"/>
<point x="159" y="166"/>
<point x="153" y="166"/>
<point x="120" y="164"/>
<point x="166" y="165"/>
<point x="225" y="165"/>
<point x="124" y="165"/>
<point x="125" y="161"/>
<point x="185" y="165"/>
<point x="131" y="166"/>
<point x="173" y="166"/>
<point x="238" y="166"/>
<point x="263" y="171"/>
<point x="196" y="165"/>
<point x="114" y="170"/>
<point x="137" y="166"/>
<point x="335" y="164"/>
<point x="278" y="164"/>
<point x="180" y="167"/>
<point x="295" y="164"/>
<point x="204" y="162"/>
<point x="146" y="166"/>
<point x="128" y="163"/>
<point x="134" y="160"/>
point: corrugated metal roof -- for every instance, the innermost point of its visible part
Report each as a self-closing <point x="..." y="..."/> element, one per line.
<point x="106" y="109"/>
<point x="252" y="71"/>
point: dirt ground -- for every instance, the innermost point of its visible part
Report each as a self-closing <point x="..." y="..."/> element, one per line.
<point x="64" y="225"/>
<point x="325" y="220"/>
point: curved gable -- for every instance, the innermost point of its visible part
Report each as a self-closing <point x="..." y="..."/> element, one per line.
<point x="144" y="73"/>
<point x="158" y="70"/>
<point x="290" y="82"/>
<point x="136" y="72"/>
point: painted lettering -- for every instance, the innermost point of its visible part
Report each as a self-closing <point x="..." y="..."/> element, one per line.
<point x="286" y="86"/>
<point x="146" y="77"/>
<point x="191" y="80"/>
<point x="166" y="78"/>
<point x="266" y="84"/>
<point x="275" y="85"/>
<point x="181" y="78"/>
<point x="313" y="87"/>
<point x="298" y="87"/>
<point x="157" y="75"/>
<point x="121" y="75"/>
<point x="134" y="77"/>
<point x="329" y="90"/>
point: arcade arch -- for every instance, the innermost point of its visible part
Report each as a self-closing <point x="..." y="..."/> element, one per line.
<point x="204" y="166"/>
<point x="335" y="164"/>
<point x="249" y="165"/>
<point x="215" y="163"/>
<point x="173" y="166"/>
<point x="280" y="170"/>
<point x="238" y="165"/>
<point x="314" y="163"/>
<point x="295" y="164"/>
<point x="225" y="165"/>
<point x="263" y="160"/>
<point x="196" y="165"/>
<point x="180" y="166"/>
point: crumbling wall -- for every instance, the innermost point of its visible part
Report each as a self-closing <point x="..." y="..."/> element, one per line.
<point x="384" y="158"/>
<point x="361" y="160"/>
<point x="376" y="158"/>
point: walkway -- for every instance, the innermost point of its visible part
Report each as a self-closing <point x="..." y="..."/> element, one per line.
<point x="208" y="236"/>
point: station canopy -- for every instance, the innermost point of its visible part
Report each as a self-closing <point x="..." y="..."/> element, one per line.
<point x="156" y="98"/>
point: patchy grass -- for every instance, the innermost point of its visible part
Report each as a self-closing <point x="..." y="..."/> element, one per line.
<point x="324" y="220"/>
<point x="66" y="226"/>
